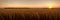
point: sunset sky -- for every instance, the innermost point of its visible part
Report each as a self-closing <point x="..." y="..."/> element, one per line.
<point x="30" y="3"/>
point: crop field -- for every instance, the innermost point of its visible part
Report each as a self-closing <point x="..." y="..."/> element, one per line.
<point x="30" y="14"/>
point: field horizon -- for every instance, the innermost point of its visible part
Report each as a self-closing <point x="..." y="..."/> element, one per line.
<point x="29" y="14"/>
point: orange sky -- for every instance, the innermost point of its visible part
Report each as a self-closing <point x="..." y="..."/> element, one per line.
<point x="31" y="3"/>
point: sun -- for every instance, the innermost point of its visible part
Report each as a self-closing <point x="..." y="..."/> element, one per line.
<point x="50" y="6"/>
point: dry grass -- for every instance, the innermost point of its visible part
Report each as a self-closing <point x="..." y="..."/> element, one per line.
<point x="29" y="14"/>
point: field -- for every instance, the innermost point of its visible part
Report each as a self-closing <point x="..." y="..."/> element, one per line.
<point x="30" y="14"/>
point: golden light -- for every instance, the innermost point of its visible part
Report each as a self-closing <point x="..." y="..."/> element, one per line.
<point x="50" y="6"/>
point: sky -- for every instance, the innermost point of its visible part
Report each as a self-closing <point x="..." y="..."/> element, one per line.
<point x="30" y="3"/>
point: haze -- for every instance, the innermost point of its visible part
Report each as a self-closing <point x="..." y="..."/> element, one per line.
<point x="29" y="3"/>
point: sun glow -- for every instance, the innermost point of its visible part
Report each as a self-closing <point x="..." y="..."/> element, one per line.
<point x="49" y="6"/>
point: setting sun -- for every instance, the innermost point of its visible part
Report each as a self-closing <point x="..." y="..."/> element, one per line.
<point x="50" y="6"/>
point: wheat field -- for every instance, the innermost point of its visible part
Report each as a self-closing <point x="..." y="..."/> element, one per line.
<point x="30" y="14"/>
